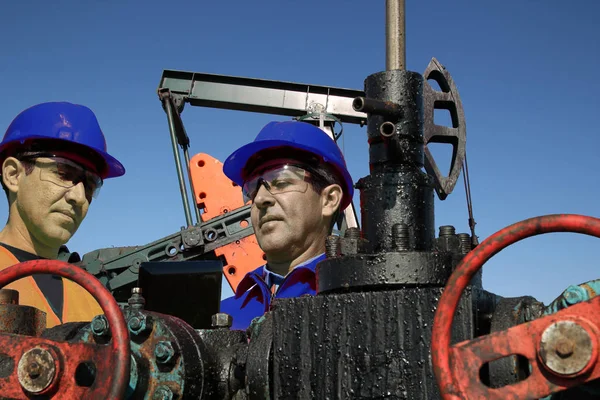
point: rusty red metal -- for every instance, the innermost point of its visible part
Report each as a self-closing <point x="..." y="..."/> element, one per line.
<point x="111" y="362"/>
<point x="457" y="368"/>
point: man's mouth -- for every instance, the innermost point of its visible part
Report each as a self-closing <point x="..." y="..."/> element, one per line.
<point x="67" y="214"/>
<point x="264" y="220"/>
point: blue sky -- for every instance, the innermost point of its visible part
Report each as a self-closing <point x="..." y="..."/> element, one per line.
<point x="524" y="70"/>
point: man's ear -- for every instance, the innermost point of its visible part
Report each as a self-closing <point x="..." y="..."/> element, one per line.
<point x="12" y="170"/>
<point x="331" y="197"/>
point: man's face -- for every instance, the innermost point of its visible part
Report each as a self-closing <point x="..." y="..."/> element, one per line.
<point x="288" y="216"/>
<point x="53" y="199"/>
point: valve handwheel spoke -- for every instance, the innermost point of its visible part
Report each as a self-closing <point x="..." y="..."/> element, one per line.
<point x="562" y="348"/>
<point x="67" y="370"/>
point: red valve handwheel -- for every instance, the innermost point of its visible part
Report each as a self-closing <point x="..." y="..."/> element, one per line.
<point x="67" y="361"/>
<point x="457" y="368"/>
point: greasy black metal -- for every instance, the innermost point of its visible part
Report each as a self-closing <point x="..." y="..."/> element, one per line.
<point x="363" y="345"/>
<point x="118" y="267"/>
<point x="447" y="99"/>
<point x="259" y="364"/>
<point x="227" y="351"/>
<point x="367" y="334"/>
<point x="397" y="190"/>
<point x="260" y="95"/>
<point x="396" y="268"/>
<point x="509" y="312"/>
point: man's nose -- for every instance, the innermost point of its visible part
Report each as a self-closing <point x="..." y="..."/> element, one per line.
<point x="76" y="194"/>
<point x="263" y="198"/>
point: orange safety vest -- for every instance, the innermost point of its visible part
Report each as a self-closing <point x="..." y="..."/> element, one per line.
<point x="78" y="304"/>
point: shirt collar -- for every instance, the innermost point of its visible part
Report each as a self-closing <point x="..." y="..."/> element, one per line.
<point x="271" y="278"/>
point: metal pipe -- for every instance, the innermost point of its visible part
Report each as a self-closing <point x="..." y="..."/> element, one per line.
<point x="182" y="188"/>
<point x="395" y="38"/>
<point x="373" y="106"/>
<point x="186" y="156"/>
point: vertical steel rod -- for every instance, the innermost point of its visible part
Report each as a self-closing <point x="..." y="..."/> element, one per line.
<point x="182" y="188"/>
<point x="395" y="38"/>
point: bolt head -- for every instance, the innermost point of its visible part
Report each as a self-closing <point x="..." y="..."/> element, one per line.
<point x="163" y="393"/>
<point x="222" y="320"/>
<point x="99" y="325"/>
<point x="164" y="352"/>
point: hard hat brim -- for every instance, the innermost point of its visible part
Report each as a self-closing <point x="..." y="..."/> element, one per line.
<point x="114" y="168"/>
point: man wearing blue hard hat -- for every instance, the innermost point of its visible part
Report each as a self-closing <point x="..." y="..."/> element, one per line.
<point x="296" y="178"/>
<point x="54" y="161"/>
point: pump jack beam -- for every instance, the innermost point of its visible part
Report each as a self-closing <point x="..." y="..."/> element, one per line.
<point x="262" y="96"/>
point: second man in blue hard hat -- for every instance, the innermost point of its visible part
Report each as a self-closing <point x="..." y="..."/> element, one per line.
<point x="53" y="161"/>
<point x="296" y="178"/>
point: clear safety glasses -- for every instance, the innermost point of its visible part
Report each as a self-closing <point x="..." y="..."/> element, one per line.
<point x="283" y="179"/>
<point x="66" y="174"/>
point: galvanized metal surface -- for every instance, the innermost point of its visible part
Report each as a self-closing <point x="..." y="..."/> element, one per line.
<point x="457" y="367"/>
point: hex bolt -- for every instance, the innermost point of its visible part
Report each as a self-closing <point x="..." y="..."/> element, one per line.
<point x="564" y="348"/>
<point x="163" y="393"/>
<point x="400" y="236"/>
<point x="352" y="233"/>
<point x="135" y="323"/>
<point x="100" y="325"/>
<point x="136" y="301"/>
<point x="164" y="352"/>
<point x="332" y="246"/>
<point x="34" y="370"/>
<point x="221" y="320"/>
<point x="447" y="230"/>
<point x="465" y="242"/>
<point x="139" y="324"/>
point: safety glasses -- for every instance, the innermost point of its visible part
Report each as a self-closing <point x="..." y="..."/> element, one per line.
<point x="66" y="174"/>
<point x="282" y="179"/>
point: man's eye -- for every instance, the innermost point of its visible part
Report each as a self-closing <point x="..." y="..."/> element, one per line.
<point x="281" y="183"/>
<point x="67" y="175"/>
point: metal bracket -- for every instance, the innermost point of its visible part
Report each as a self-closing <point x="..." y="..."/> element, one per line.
<point x="447" y="99"/>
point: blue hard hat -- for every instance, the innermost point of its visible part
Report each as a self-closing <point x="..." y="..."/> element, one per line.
<point x="296" y="135"/>
<point x="63" y="121"/>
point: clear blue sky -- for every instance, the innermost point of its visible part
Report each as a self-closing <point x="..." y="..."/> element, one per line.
<point x="524" y="70"/>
